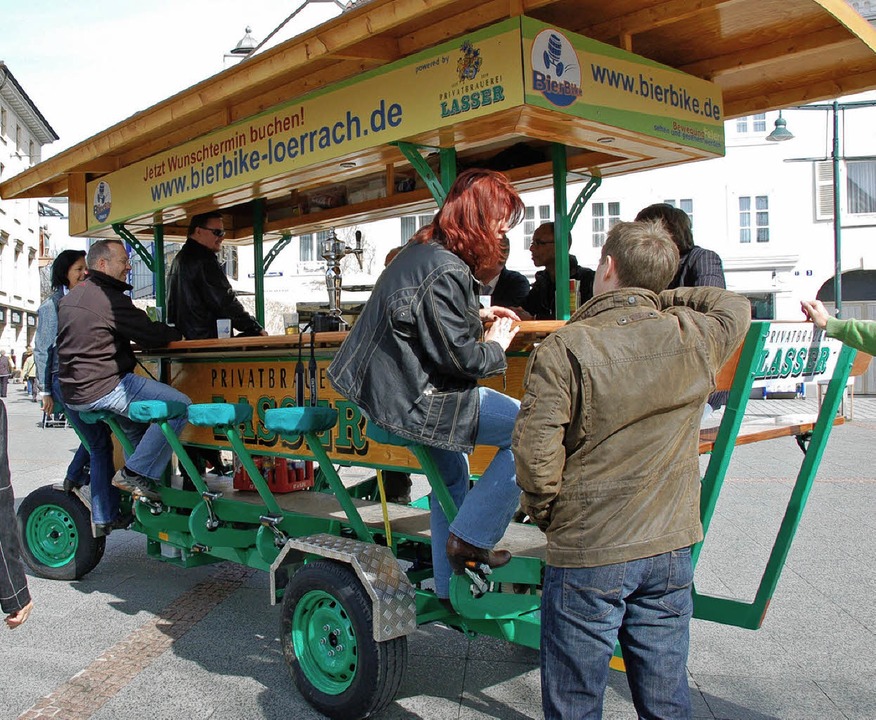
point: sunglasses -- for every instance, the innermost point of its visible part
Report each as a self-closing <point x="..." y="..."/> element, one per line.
<point x="216" y="231"/>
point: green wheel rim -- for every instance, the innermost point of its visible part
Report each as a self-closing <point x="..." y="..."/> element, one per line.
<point x="52" y="536"/>
<point x="325" y="642"/>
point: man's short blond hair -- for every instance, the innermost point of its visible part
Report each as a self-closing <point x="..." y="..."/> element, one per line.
<point x="644" y="254"/>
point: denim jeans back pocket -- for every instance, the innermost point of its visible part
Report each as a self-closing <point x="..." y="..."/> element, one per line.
<point x="677" y="599"/>
<point x="592" y="593"/>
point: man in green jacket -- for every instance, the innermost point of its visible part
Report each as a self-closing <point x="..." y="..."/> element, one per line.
<point x="859" y="334"/>
<point x="606" y="451"/>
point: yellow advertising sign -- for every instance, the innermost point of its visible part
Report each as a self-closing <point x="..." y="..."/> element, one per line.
<point x="578" y="76"/>
<point x="475" y="75"/>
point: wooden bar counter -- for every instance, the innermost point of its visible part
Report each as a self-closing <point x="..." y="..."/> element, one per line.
<point x="261" y="371"/>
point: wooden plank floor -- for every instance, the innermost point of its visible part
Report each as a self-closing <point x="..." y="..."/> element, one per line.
<point x="519" y="539"/>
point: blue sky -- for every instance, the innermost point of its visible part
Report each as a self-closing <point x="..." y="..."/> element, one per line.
<point x="87" y="66"/>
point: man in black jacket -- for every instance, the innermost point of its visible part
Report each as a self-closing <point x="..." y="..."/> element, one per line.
<point x="198" y="291"/>
<point x="508" y="288"/>
<point x="97" y="322"/>
<point x="697" y="267"/>
<point x="540" y="304"/>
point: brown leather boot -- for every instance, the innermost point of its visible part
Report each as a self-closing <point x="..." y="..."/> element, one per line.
<point x="462" y="555"/>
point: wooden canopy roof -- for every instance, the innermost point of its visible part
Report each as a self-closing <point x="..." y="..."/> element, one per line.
<point x="764" y="54"/>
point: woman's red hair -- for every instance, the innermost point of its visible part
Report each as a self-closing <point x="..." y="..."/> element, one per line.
<point x="478" y="201"/>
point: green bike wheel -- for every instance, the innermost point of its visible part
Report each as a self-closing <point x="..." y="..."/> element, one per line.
<point x="329" y="645"/>
<point x="56" y="536"/>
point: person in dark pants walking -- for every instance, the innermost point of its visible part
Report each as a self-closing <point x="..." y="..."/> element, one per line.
<point x="5" y="372"/>
<point x="14" y="596"/>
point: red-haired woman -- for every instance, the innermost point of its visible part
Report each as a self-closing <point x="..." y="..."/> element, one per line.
<point x="414" y="357"/>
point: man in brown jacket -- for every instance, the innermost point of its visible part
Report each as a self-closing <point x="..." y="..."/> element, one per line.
<point x="97" y="322"/>
<point x="606" y="452"/>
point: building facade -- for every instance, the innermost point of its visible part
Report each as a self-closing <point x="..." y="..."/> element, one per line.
<point x="24" y="238"/>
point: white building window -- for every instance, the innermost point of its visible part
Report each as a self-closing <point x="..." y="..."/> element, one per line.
<point x="533" y="217"/>
<point x="605" y="217"/>
<point x="861" y="186"/>
<point x="859" y="178"/>
<point x="763" y="305"/>
<point x="751" y="124"/>
<point x="685" y="204"/>
<point x="308" y="246"/>
<point x="306" y="251"/>
<point x="411" y="223"/>
<point x="228" y="260"/>
<point x="754" y="218"/>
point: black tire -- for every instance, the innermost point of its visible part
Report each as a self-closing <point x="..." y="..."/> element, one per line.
<point x="365" y="675"/>
<point x="56" y="539"/>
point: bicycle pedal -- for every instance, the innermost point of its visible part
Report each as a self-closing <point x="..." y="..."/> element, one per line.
<point x="155" y="506"/>
<point x="479" y="585"/>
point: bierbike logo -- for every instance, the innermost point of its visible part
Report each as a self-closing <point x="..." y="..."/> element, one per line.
<point x="556" y="73"/>
<point x="103" y="201"/>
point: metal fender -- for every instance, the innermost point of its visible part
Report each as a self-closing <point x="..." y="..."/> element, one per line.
<point x="391" y="593"/>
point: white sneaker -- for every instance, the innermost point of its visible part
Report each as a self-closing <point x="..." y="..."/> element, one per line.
<point x="137" y="485"/>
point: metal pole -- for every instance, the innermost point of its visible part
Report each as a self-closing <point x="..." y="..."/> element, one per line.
<point x="158" y="260"/>
<point x="837" y="221"/>
<point x="258" y="236"/>
<point x="562" y="232"/>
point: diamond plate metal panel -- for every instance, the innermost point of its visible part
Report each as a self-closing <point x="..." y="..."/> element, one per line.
<point x="393" y="597"/>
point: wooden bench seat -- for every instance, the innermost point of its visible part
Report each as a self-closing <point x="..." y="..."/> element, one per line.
<point x="767" y="429"/>
<point x="770" y="427"/>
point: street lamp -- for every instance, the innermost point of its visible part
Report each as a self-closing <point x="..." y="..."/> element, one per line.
<point x="781" y="133"/>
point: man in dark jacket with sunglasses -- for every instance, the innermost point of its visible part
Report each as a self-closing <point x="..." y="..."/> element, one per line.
<point x="198" y="291"/>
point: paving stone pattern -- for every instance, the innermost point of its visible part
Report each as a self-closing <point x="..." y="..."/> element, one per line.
<point x="138" y="638"/>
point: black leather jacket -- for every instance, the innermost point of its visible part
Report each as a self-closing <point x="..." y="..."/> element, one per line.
<point x="413" y="359"/>
<point x="198" y="293"/>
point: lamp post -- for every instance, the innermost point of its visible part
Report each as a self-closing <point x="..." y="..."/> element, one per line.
<point x="781" y="133"/>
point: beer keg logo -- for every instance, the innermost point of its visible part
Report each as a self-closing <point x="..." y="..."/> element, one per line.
<point x="103" y="201"/>
<point x="555" y="70"/>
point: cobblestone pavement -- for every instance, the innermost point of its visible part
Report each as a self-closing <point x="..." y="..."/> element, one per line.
<point x="139" y="638"/>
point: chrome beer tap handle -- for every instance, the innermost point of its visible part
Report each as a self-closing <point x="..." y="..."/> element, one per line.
<point x="333" y="251"/>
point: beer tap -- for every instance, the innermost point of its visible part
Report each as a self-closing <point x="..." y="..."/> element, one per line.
<point x="333" y="251"/>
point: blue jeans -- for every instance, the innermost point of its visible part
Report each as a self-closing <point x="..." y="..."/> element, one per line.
<point x="486" y="510"/>
<point x="646" y="605"/>
<point x="104" y="497"/>
<point x="151" y="451"/>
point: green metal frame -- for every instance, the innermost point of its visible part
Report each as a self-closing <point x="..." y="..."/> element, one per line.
<point x="242" y="534"/>
<point x="258" y="237"/>
<point x="160" y="275"/>
<point x="446" y="165"/>
<point x="139" y="248"/>
<point x="564" y="221"/>
<point x="279" y="246"/>
<point x="154" y="260"/>
<point x="750" y="614"/>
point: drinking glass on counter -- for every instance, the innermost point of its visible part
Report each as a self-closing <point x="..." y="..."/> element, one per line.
<point x="290" y="323"/>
